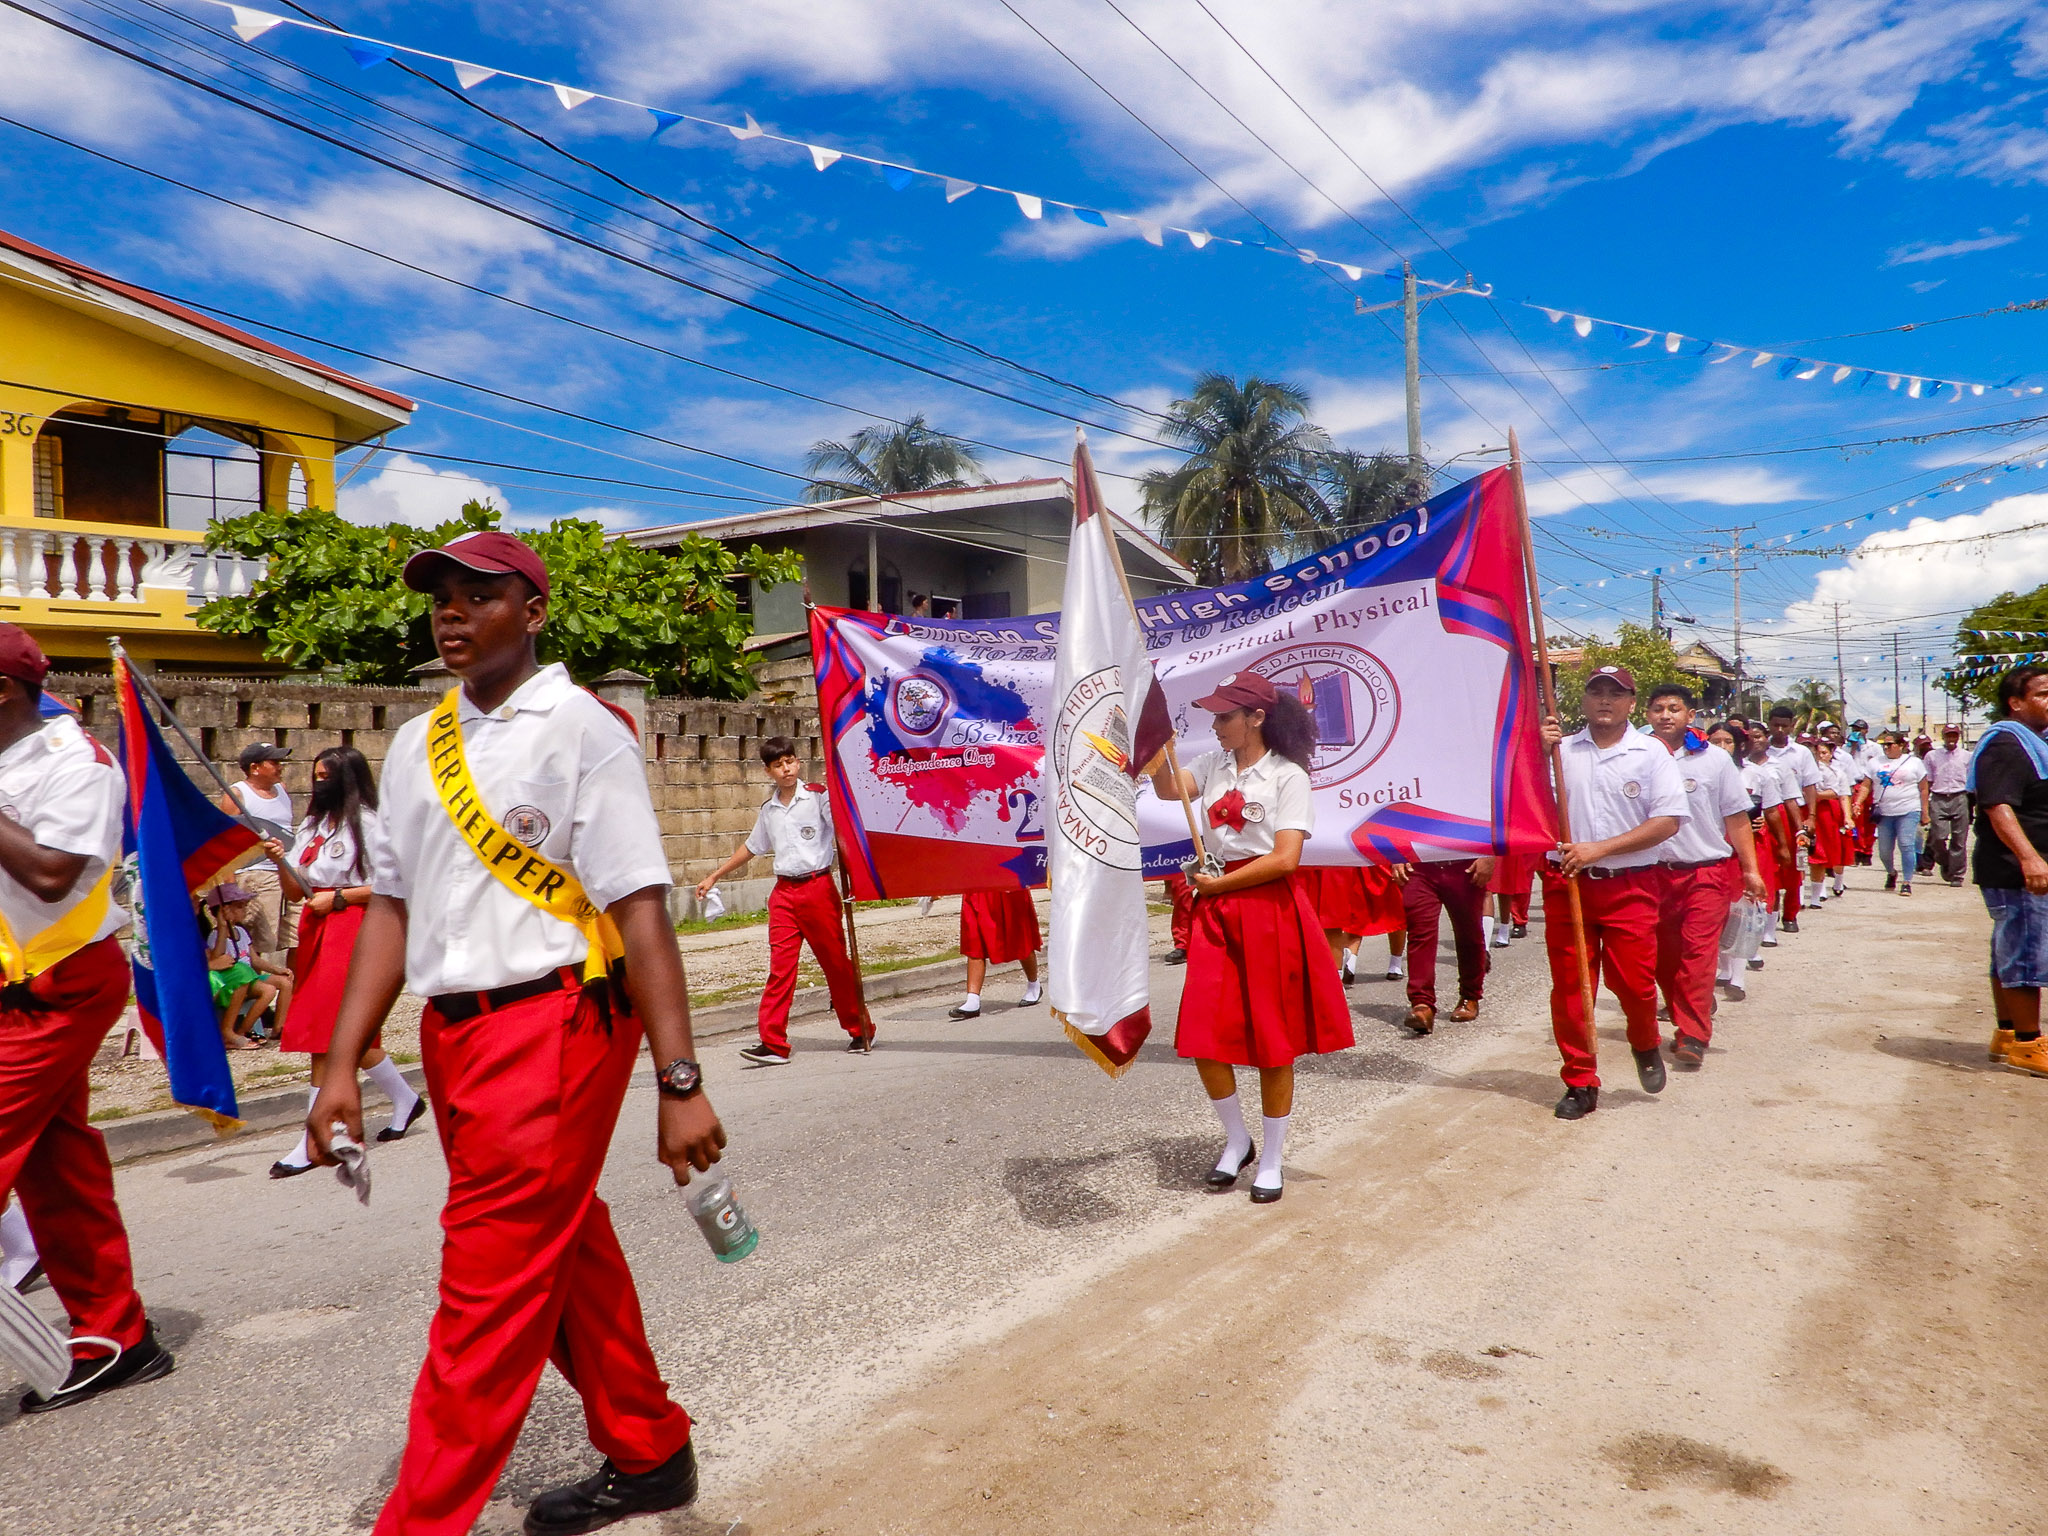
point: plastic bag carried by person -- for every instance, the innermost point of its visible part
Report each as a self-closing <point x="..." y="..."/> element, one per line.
<point x="1743" y="932"/>
<point x="712" y="908"/>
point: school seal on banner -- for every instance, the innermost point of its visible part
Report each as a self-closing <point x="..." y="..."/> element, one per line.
<point x="1097" y="809"/>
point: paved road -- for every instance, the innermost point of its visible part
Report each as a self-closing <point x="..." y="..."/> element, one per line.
<point x="908" y="1201"/>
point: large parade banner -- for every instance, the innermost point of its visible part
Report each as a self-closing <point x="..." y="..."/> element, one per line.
<point x="1409" y="643"/>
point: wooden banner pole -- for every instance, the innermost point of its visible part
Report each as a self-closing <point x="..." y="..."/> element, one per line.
<point x="1587" y="996"/>
<point x="860" y="983"/>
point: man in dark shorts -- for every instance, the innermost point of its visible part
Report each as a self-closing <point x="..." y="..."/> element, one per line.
<point x="2009" y="777"/>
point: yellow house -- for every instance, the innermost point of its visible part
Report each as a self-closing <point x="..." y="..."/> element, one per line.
<point x="127" y="423"/>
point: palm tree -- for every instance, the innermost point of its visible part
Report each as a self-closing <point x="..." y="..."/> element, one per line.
<point x="888" y="458"/>
<point x="1247" y="492"/>
<point x="1364" y="488"/>
<point x="1815" y="701"/>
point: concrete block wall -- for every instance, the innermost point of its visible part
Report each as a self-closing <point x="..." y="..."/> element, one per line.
<point x="703" y="765"/>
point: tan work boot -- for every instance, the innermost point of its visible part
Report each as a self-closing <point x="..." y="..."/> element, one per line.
<point x="2028" y="1056"/>
<point x="2001" y="1043"/>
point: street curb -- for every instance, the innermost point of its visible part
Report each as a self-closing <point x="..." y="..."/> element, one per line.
<point x="179" y="1130"/>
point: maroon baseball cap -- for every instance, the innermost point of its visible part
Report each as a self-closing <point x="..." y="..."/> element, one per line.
<point x="1240" y="690"/>
<point x="489" y="551"/>
<point x="1621" y="677"/>
<point x="21" y="658"/>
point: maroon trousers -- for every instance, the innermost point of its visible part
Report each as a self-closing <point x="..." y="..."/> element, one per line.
<point x="51" y="1156"/>
<point x="1790" y="878"/>
<point x="1621" y="947"/>
<point x="525" y="1102"/>
<point x="1432" y="889"/>
<point x="1182" y="895"/>
<point x="1692" y="907"/>
<point x="806" y="911"/>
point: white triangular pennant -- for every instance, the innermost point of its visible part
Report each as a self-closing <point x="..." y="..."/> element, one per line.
<point x="250" y="25"/>
<point x="1154" y="234"/>
<point x="1554" y="314"/>
<point x="470" y="76"/>
<point x="1647" y="338"/>
<point x="1840" y="374"/>
<point x="955" y="190"/>
<point x="1761" y="358"/>
<point x="1913" y="389"/>
<point x="753" y="130"/>
<point x="1809" y="372"/>
<point x="1198" y="237"/>
<point x="571" y="98"/>
<point x="1307" y="256"/>
<point x="1671" y="341"/>
<point x="1031" y="207"/>
<point x="1354" y="273"/>
<point x="822" y="157"/>
<point x="1583" y="324"/>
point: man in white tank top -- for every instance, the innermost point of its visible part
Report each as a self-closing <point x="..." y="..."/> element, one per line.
<point x="273" y="921"/>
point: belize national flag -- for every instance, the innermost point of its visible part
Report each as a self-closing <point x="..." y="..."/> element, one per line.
<point x="175" y="843"/>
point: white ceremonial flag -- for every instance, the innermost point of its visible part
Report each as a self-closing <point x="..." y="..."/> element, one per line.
<point x="1107" y="721"/>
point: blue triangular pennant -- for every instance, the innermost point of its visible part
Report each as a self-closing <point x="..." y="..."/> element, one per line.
<point x="1090" y="216"/>
<point x="897" y="177"/>
<point x="367" y="55"/>
<point x="663" y="121"/>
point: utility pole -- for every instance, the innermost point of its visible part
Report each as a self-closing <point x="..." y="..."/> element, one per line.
<point x="1923" y="693"/>
<point x="1657" y="605"/>
<point x="1735" y="570"/>
<point x="1898" y="709"/>
<point x="1841" y="682"/>
<point x="1411" y="336"/>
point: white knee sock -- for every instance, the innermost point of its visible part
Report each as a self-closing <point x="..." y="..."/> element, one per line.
<point x="1268" y="1176"/>
<point x="387" y="1076"/>
<point x="1236" y="1139"/>
<point x="17" y="1245"/>
<point x="1486" y="932"/>
<point x="302" y="1154"/>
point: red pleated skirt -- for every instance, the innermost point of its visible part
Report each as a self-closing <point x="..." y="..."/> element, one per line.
<point x="1767" y="856"/>
<point x="1353" y="900"/>
<point x="1832" y="847"/>
<point x="998" y="926"/>
<point x="1514" y="874"/>
<point x="327" y="940"/>
<point x="1261" y="990"/>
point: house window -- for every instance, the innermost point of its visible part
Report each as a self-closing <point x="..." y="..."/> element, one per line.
<point x="986" y="605"/>
<point x="49" y="474"/>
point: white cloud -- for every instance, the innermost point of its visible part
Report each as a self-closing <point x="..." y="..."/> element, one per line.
<point x="1714" y="485"/>
<point x="1985" y="240"/>
<point x="55" y="80"/>
<point x="408" y="491"/>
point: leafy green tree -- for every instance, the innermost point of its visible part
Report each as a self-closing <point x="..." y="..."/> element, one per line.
<point x="890" y="458"/>
<point x="1361" y="489"/>
<point x="2025" y="612"/>
<point x="1249" y="492"/>
<point x="333" y="600"/>
<point x="1816" y="703"/>
<point x="1650" y="658"/>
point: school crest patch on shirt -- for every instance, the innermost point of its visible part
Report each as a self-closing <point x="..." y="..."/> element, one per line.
<point x="1691" y="785"/>
<point x="1632" y="789"/>
<point x="528" y="823"/>
<point x="1254" y="812"/>
<point x="807" y="832"/>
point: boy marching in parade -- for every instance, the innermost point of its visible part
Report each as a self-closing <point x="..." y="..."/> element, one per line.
<point x="521" y="888"/>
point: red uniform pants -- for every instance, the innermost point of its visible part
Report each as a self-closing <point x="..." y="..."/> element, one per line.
<point x="1790" y="876"/>
<point x="1692" y="908"/>
<point x="525" y="1102"/>
<point x="1432" y="889"/>
<point x="1182" y="895"/>
<point x="806" y="911"/>
<point x="1621" y="947"/>
<point x="50" y="1155"/>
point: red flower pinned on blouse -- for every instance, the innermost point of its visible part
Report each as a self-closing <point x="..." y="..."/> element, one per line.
<point x="1228" y="811"/>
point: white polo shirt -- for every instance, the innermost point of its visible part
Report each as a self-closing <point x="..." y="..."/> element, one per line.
<point x="1713" y="792"/>
<point x="799" y="834"/>
<point x="1276" y="798"/>
<point x="1613" y="790"/>
<point x="65" y="790"/>
<point x="324" y="857"/>
<point x="560" y="771"/>
<point x="1765" y="785"/>
<point x="1838" y="777"/>
<point x="1802" y="763"/>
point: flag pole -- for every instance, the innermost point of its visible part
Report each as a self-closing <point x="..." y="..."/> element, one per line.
<point x="149" y="689"/>
<point x="860" y="981"/>
<point x="1587" y="995"/>
<point x="1116" y="563"/>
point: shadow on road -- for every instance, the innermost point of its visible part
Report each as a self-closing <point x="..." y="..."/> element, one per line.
<point x="1956" y="1055"/>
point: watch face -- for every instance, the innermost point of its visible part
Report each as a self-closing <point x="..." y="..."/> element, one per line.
<point x="681" y="1077"/>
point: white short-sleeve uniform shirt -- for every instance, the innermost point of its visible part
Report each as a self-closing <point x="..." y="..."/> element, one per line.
<point x="564" y="775"/>
<point x="66" y="792"/>
<point x="1765" y="784"/>
<point x="799" y="834"/>
<point x="1276" y="799"/>
<point x="324" y="857"/>
<point x="1713" y="792"/>
<point x="1613" y="790"/>
<point x="1804" y="766"/>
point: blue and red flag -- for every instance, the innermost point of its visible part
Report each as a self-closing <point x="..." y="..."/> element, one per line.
<point x="175" y="843"/>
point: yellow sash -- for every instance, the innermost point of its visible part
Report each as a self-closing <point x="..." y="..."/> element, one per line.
<point x="518" y="868"/>
<point x="63" y="938"/>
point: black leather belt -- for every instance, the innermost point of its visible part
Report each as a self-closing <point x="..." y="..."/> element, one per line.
<point x="454" y="1007"/>
<point x="816" y="874"/>
<point x="1672" y="864"/>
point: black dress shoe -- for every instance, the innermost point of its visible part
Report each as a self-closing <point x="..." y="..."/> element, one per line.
<point x="395" y="1131"/>
<point x="1216" y="1178"/>
<point x="1263" y="1196"/>
<point x="1790" y="925"/>
<point x="1689" y="1051"/>
<point x="609" y="1495"/>
<point x="1176" y="956"/>
<point x="1577" y="1103"/>
<point x="862" y="1043"/>
<point x="1650" y="1070"/>
<point x="145" y="1360"/>
<point x="284" y="1170"/>
<point x="1519" y="931"/>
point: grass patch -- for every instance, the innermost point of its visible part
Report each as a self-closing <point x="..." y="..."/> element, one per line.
<point x="755" y="919"/>
<point x="276" y="1069"/>
<point x="405" y="1058"/>
<point x="112" y="1112"/>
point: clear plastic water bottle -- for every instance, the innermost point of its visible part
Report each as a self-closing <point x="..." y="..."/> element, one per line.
<point x="719" y="1217"/>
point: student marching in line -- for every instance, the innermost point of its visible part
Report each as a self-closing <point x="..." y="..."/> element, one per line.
<point x="1350" y="902"/>
<point x="66" y="981"/>
<point x="329" y="870"/>
<point x="1624" y="797"/>
<point x="997" y="927"/>
<point x="1428" y="890"/>
<point x="1735" y="964"/>
<point x="1771" y="786"/>
<point x="1705" y="866"/>
<point x="1832" y="850"/>
<point x="1801" y="801"/>
<point x="794" y="826"/>
<point x="1260" y="989"/>
<point x="520" y="887"/>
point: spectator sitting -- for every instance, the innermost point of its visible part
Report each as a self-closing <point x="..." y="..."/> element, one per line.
<point x="244" y="984"/>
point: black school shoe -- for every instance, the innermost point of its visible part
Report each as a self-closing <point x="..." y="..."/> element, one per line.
<point x="145" y="1360"/>
<point x="1650" y="1069"/>
<point x="609" y="1495"/>
<point x="1176" y="956"/>
<point x="1519" y="931"/>
<point x="1689" y="1051"/>
<point x="1577" y="1103"/>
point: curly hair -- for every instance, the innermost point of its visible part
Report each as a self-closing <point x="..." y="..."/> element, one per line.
<point x="1289" y="730"/>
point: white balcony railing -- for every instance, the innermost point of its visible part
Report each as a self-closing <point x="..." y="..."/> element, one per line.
<point x="62" y="565"/>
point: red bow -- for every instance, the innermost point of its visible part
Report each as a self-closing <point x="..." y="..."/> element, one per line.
<point x="1228" y="811"/>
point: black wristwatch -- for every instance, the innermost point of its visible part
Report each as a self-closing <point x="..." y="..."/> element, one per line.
<point x="680" y="1079"/>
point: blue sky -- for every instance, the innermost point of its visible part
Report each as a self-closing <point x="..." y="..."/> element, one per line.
<point x="1782" y="176"/>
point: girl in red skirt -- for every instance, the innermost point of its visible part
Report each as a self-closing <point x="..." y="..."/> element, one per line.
<point x="997" y="926"/>
<point x="1352" y="902"/>
<point x="1259" y="990"/>
<point x="1514" y="876"/>
<point x="329" y="870"/>
<point x="1833" y="848"/>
